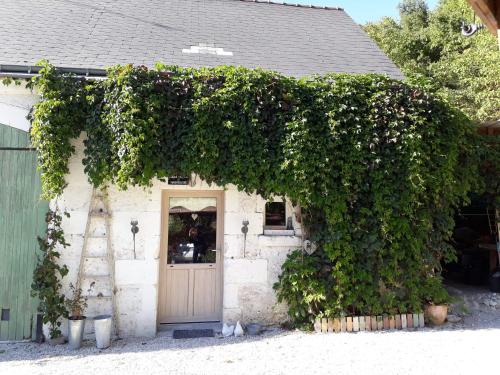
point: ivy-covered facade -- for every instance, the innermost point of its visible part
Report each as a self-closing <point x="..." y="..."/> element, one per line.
<point x="372" y="168"/>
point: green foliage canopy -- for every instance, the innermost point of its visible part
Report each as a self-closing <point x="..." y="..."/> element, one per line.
<point x="377" y="165"/>
<point x="428" y="44"/>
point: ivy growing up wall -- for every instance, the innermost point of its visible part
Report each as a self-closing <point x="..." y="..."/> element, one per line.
<point x="377" y="165"/>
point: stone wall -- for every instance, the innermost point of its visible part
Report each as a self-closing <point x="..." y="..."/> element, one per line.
<point x="248" y="275"/>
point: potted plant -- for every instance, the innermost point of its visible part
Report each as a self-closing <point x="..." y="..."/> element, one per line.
<point x="76" y="321"/>
<point x="437" y="300"/>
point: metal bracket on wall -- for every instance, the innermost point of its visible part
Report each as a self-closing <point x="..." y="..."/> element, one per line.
<point x="244" y="230"/>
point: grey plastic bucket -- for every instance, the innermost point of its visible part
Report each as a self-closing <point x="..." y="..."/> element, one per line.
<point x="102" y="324"/>
<point x="75" y="332"/>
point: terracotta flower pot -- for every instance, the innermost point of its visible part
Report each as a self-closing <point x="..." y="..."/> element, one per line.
<point x="436" y="314"/>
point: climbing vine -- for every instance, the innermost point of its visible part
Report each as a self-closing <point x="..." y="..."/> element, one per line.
<point x="377" y="165"/>
<point x="55" y="120"/>
<point x="48" y="274"/>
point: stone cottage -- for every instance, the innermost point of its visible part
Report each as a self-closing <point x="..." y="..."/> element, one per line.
<point x="181" y="251"/>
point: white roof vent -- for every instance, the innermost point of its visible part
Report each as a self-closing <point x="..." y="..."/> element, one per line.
<point x="206" y="49"/>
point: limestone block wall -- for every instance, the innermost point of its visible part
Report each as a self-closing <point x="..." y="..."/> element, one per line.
<point x="250" y="267"/>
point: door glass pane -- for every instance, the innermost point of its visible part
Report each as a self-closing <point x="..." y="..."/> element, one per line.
<point x="192" y="230"/>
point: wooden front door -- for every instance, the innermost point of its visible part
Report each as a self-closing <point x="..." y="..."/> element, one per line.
<point x="190" y="262"/>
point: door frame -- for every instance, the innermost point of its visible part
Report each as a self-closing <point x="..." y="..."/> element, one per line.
<point x="166" y="194"/>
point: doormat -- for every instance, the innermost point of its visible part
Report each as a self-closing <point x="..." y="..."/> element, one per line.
<point x="192" y="333"/>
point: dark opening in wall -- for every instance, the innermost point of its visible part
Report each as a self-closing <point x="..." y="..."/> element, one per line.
<point x="474" y="239"/>
<point x="5" y="314"/>
<point x="275" y="215"/>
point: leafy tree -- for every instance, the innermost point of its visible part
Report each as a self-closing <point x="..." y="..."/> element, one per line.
<point x="428" y="44"/>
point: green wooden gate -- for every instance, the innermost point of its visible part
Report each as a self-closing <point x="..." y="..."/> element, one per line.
<point x="22" y="219"/>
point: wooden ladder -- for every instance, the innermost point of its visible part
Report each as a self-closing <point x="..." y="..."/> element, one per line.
<point x="96" y="267"/>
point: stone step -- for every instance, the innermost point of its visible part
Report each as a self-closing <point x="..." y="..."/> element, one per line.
<point x="102" y="286"/>
<point x="97" y="246"/>
<point x="95" y="266"/>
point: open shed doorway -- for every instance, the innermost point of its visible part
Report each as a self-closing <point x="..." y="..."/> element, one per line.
<point x="475" y="239"/>
<point x="476" y="236"/>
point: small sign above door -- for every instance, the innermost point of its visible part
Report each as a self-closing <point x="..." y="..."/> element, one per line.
<point x="178" y="180"/>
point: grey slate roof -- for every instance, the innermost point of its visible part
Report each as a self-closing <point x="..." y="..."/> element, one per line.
<point x="295" y="40"/>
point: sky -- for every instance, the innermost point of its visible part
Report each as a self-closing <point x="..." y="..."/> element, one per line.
<point x="363" y="11"/>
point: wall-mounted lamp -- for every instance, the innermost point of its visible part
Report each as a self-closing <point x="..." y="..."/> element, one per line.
<point x="134" y="230"/>
<point x="244" y="230"/>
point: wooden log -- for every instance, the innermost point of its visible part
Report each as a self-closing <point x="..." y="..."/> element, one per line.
<point x="403" y="321"/>
<point x="374" y="323"/>
<point x="355" y="323"/>
<point x="349" y="324"/>
<point x="392" y="322"/>
<point x="368" y="323"/>
<point x="324" y="325"/>
<point x="362" y="323"/>
<point x="336" y="325"/>
<point x="421" y="322"/>
<point x="380" y="323"/>
<point x="398" y="321"/>
<point x="317" y="325"/>
<point x="415" y="320"/>
<point x="330" y="324"/>
<point x="386" y="322"/>
<point x="409" y="320"/>
<point x="343" y="324"/>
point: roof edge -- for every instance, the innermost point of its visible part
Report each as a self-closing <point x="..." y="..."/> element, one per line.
<point x="307" y="6"/>
<point x="28" y="71"/>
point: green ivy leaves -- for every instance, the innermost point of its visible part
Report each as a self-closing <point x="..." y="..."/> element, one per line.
<point x="56" y="119"/>
<point x="377" y="165"/>
<point x="48" y="274"/>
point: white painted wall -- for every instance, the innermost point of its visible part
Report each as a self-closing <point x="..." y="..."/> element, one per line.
<point x="247" y="278"/>
<point x="15" y="104"/>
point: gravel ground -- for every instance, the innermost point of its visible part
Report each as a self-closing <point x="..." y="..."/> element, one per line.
<point x="466" y="347"/>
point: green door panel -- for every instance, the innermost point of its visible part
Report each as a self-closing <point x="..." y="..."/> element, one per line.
<point x="22" y="219"/>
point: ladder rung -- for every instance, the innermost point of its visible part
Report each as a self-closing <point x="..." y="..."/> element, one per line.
<point x="89" y="276"/>
<point x="99" y="297"/>
<point x="99" y="214"/>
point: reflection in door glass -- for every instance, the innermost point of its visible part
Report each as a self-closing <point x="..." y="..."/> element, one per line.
<point x="192" y="230"/>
